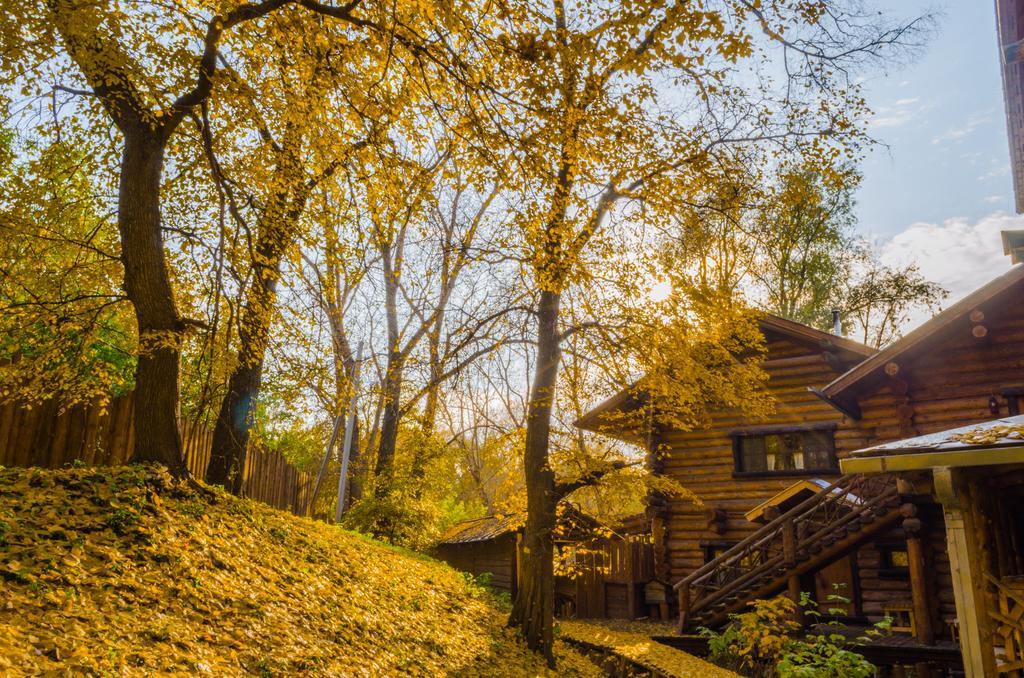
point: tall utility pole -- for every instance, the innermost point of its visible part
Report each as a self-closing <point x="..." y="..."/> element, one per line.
<point x="350" y="426"/>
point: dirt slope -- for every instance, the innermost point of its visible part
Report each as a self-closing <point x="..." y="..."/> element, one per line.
<point x="121" y="571"/>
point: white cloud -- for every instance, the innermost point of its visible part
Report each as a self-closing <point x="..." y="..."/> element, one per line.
<point x="899" y="113"/>
<point x="993" y="199"/>
<point x="956" y="133"/>
<point x="959" y="255"/>
<point x="1000" y="171"/>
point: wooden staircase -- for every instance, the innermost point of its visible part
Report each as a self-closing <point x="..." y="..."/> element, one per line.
<point x="809" y="536"/>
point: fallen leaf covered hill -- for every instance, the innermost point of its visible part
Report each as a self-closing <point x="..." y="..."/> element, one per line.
<point x="124" y="571"/>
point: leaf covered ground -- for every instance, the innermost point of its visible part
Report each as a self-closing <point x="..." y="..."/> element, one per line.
<point x="122" y="571"/>
<point x="632" y="640"/>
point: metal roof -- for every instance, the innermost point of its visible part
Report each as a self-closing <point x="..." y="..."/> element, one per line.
<point x="1005" y="432"/>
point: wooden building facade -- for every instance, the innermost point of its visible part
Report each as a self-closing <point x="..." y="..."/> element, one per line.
<point x="779" y="513"/>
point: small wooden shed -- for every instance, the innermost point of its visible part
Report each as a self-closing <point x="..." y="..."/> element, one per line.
<point x="603" y="573"/>
<point x="485" y="545"/>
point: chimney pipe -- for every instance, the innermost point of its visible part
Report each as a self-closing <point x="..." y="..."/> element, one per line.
<point x="837" y="326"/>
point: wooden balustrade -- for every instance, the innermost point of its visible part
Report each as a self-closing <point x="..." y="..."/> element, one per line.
<point x="770" y="557"/>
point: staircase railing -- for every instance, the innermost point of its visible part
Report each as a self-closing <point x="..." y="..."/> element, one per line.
<point x="778" y="546"/>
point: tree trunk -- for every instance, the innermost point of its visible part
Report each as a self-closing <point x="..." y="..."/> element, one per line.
<point x="429" y="419"/>
<point x="392" y="414"/>
<point x="344" y="368"/>
<point x="147" y="284"/>
<point x="234" y="421"/>
<point x="534" y="607"/>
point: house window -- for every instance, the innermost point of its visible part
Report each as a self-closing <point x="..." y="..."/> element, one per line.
<point x="902" y="618"/>
<point x="1013" y="400"/>
<point x="785" y="451"/>
<point x="714" y="549"/>
<point x="894" y="561"/>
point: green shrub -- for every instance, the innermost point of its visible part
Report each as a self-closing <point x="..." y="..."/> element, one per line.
<point x="766" y="643"/>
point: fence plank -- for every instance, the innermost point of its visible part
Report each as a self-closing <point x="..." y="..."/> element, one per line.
<point x="43" y="435"/>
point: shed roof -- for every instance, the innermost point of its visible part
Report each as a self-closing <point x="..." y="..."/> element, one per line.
<point x="844" y="389"/>
<point x="794" y="494"/>
<point x="483" y="529"/>
<point x="1005" y="432"/>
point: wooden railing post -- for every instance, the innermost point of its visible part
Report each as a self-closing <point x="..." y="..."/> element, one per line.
<point x="684" y="606"/>
<point x="632" y="548"/>
<point x="920" y="590"/>
<point x="789" y="543"/>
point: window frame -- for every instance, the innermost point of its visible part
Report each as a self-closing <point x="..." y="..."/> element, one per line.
<point x="708" y="547"/>
<point x="762" y="431"/>
<point x="886" y="569"/>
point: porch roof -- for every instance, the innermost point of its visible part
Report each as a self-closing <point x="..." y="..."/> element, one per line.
<point x="995" y="442"/>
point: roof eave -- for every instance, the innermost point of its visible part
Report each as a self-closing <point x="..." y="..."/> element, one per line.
<point x="921" y="461"/>
<point x="838" y="389"/>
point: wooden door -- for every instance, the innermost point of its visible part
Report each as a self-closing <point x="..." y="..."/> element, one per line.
<point x="837" y="579"/>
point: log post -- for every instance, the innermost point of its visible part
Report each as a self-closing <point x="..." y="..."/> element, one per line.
<point x="917" y="557"/>
<point x="965" y="544"/>
<point x="684" y="607"/>
<point x="630" y="550"/>
<point x="789" y="543"/>
<point x="789" y="560"/>
<point x="793" y="588"/>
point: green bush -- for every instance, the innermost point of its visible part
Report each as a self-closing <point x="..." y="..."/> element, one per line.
<point x="765" y="642"/>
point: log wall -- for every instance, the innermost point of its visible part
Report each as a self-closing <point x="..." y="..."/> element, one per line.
<point x="702" y="460"/>
<point x="945" y="383"/>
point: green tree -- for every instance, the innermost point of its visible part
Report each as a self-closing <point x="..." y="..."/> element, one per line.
<point x="803" y="240"/>
<point x="65" y="329"/>
<point x="876" y="300"/>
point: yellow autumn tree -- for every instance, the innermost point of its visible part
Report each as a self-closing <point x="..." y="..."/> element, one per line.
<point x="146" y="69"/>
<point x="618" y="115"/>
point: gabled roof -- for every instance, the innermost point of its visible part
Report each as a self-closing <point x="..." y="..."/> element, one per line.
<point x="572" y="522"/>
<point x="632" y="398"/>
<point x="805" y="334"/>
<point x="843" y="391"/>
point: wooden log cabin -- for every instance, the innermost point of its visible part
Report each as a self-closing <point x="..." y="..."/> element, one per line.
<point x="780" y="516"/>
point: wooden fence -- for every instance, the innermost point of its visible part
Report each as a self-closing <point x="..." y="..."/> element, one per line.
<point x="42" y="435"/>
<point x="611" y="577"/>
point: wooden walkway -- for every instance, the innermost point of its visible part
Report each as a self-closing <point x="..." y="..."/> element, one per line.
<point x="627" y="648"/>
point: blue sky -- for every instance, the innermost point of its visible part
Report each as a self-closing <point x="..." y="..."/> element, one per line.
<point x="938" y="194"/>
